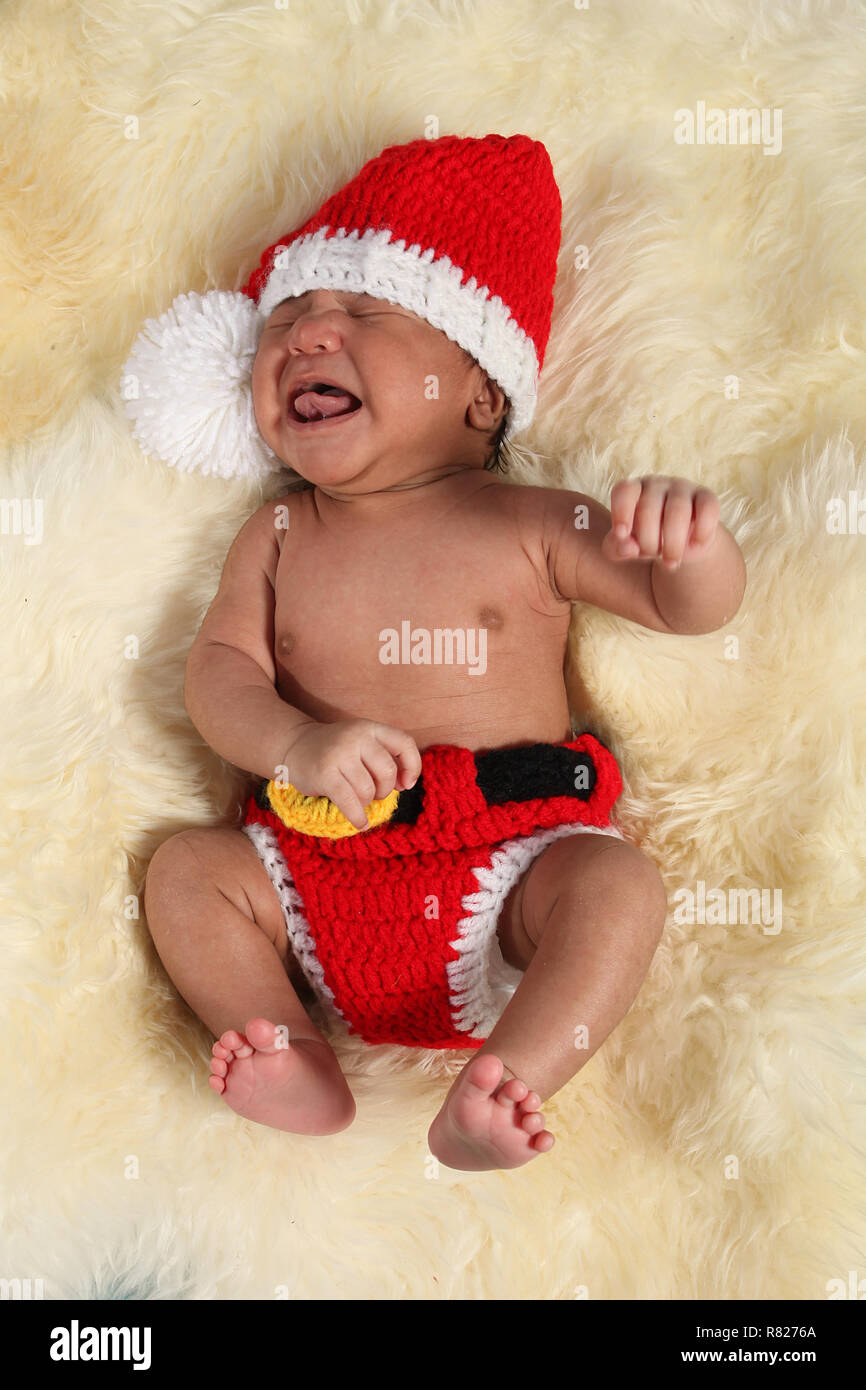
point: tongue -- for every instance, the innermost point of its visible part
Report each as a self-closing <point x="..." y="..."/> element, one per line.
<point x="314" y="405"/>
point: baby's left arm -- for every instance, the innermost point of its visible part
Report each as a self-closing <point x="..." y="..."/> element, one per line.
<point x="659" y="557"/>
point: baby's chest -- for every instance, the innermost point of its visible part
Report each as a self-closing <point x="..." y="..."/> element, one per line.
<point x="401" y="607"/>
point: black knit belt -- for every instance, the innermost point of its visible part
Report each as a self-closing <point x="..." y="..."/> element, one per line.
<point x="537" y="771"/>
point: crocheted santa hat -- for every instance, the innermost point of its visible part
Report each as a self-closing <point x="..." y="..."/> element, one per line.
<point x="463" y="232"/>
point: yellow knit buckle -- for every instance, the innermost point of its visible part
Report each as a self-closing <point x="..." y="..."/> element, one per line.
<point x="317" y="815"/>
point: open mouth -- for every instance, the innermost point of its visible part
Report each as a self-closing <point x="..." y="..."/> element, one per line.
<point x="315" y="401"/>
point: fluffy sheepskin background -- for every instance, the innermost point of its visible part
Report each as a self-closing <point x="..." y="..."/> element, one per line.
<point x="709" y="1150"/>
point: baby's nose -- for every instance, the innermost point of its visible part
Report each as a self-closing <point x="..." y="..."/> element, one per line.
<point x="317" y="331"/>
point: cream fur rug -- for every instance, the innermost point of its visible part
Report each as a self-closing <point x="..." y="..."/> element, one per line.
<point x="710" y="1150"/>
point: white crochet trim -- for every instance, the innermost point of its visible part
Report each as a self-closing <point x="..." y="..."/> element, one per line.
<point x="372" y="263"/>
<point x="297" y="926"/>
<point x="187" y="387"/>
<point x="482" y="980"/>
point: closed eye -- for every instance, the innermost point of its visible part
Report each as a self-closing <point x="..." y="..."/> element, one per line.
<point x="286" y="320"/>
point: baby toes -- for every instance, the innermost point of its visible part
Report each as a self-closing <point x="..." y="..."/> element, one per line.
<point x="533" y="1123"/>
<point x="512" y="1092"/>
<point x="543" y="1143"/>
<point x="235" y="1042"/>
<point x="218" y="1067"/>
<point x="217" y="1084"/>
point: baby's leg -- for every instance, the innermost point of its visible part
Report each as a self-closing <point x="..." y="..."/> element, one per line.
<point x="219" y="929"/>
<point x="588" y="915"/>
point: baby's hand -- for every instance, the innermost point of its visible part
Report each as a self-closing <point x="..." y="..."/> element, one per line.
<point x="661" y="518"/>
<point x="352" y="762"/>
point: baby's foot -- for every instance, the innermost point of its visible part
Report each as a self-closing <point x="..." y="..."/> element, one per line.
<point x="298" y="1086"/>
<point x="475" y="1130"/>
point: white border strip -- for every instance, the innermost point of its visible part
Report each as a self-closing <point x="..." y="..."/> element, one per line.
<point x="482" y="980"/>
<point x="297" y="926"/>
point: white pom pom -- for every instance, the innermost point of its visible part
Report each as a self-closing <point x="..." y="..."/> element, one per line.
<point x="187" y="387"/>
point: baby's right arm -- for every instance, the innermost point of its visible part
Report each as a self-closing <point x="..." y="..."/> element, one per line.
<point x="230" y="694"/>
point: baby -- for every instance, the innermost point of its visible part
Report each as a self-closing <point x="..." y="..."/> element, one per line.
<point x="428" y="856"/>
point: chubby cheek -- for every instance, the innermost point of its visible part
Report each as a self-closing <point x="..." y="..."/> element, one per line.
<point x="452" y="377"/>
<point x="264" y="413"/>
<point x="263" y="391"/>
<point x="414" y="390"/>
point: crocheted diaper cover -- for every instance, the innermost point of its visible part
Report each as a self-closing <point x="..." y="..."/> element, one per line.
<point x="395" y="926"/>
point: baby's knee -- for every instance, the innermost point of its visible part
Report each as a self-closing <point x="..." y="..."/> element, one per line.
<point x="640" y="878"/>
<point x="612" y="867"/>
<point x="178" y="861"/>
<point x="165" y="861"/>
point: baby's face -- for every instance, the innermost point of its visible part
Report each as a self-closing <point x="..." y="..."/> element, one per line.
<point x="423" y="403"/>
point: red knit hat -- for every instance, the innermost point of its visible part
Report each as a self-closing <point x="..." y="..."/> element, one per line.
<point x="463" y="232"/>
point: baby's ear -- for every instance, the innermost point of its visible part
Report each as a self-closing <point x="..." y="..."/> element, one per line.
<point x="487" y="410"/>
<point x="500" y="404"/>
<point x="505" y="408"/>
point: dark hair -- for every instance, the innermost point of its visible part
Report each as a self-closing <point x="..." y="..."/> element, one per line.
<point x="494" y="462"/>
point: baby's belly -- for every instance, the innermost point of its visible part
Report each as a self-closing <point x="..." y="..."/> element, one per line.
<point x="440" y="685"/>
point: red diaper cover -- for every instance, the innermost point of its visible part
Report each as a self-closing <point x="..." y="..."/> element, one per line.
<point x="395" y="926"/>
